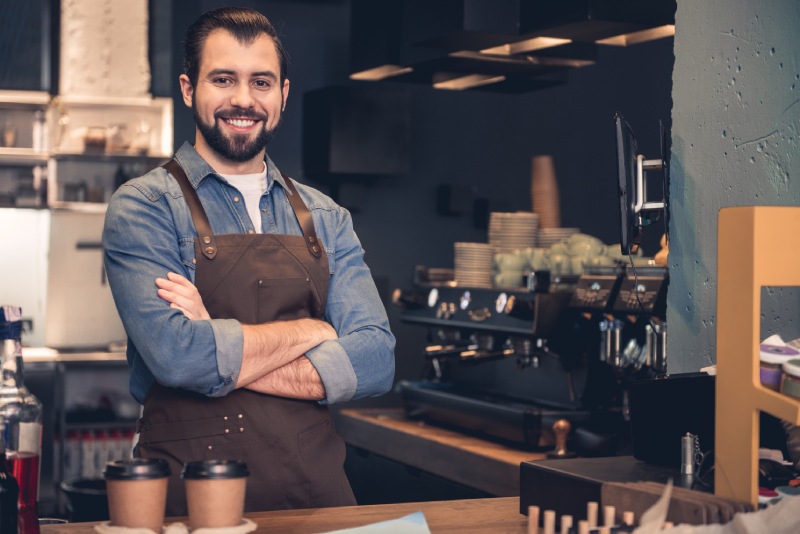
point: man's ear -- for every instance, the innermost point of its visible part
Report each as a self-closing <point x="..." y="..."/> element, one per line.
<point x="285" y="93"/>
<point x="186" y="89"/>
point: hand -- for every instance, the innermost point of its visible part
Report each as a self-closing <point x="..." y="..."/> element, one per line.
<point x="182" y="295"/>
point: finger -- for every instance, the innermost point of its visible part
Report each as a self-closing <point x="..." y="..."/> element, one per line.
<point x="189" y="292"/>
<point x="180" y="279"/>
<point x="175" y="298"/>
<point x="186" y="312"/>
<point x="167" y="295"/>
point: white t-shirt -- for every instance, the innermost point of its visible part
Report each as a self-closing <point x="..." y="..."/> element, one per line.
<point x="251" y="186"/>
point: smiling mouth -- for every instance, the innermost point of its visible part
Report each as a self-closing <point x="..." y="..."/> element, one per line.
<point x="240" y="123"/>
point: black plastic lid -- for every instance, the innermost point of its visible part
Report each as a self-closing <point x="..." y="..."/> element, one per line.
<point x="136" y="469"/>
<point x="214" y="469"/>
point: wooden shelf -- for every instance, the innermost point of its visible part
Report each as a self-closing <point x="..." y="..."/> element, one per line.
<point x="23" y="156"/>
<point x="758" y="246"/>
<point x="477" y="463"/>
<point x="106" y="156"/>
<point x="24" y="99"/>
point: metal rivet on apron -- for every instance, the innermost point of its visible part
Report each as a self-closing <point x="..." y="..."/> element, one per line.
<point x="308" y="279"/>
<point x="312" y="240"/>
<point x="251" y="232"/>
<point x="236" y="199"/>
<point x="315" y="248"/>
<point x="194" y="260"/>
<point x="206" y="240"/>
<point x="241" y="430"/>
<point x="210" y="250"/>
<point x="210" y="447"/>
<point x="261" y="282"/>
<point x="227" y="431"/>
<point x="225" y="418"/>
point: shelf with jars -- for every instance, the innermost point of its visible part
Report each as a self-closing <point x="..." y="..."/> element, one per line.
<point x="23" y="148"/>
<point x="55" y="151"/>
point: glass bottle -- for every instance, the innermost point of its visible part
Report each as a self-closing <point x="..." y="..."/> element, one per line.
<point x="9" y="493"/>
<point x="21" y="415"/>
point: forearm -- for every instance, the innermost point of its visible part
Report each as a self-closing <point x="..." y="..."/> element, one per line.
<point x="271" y="346"/>
<point x="297" y="379"/>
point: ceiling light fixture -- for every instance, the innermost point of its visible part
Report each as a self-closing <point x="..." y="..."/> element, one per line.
<point x="668" y="30"/>
<point x="380" y="73"/>
<point x="528" y="45"/>
<point x="468" y="82"/>
<point x="523" y="59"/>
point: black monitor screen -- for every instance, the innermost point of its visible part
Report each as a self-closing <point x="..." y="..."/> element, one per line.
<point x="627" y="151"/>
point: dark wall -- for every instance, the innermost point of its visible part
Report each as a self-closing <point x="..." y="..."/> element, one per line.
<point x="476" y="139"/>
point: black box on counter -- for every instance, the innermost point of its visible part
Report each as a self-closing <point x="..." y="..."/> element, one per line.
<point x="664" y="409"/>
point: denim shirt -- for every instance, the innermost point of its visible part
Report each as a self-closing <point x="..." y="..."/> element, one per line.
<point x="149" y="232"/>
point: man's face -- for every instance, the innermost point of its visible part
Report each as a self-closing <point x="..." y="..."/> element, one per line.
<point x="238" y="100"/>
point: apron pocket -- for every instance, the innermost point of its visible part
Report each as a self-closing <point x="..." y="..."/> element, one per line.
<point x="285" y="299"/>
<point x="322" y="452"/>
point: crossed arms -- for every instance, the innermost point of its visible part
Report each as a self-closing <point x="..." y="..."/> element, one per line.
<point x="286" y="372"/>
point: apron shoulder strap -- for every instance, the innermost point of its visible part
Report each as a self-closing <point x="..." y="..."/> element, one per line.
<point x="304" y="218"/>
<point x="208" y="244"/>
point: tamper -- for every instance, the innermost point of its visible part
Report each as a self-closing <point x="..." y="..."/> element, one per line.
<point x="561" y="430"/>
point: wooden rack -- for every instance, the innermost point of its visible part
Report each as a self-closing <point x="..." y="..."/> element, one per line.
<point x="758" y="246"/>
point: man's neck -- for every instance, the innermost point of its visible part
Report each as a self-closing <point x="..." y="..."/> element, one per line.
<point x="226" y="166"/>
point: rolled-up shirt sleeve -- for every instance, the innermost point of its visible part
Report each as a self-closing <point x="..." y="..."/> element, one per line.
<point x="141" y="243"/>
<point x="360" y="363"/>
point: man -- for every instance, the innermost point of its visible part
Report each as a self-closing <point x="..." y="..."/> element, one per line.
<point x="245" y="296"/>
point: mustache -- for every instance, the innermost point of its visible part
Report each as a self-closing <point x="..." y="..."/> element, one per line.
<point x="241" y="114"/>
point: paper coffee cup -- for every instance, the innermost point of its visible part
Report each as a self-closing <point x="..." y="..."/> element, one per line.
<point x="215" y="492"/>
<point x="137" y="492"/>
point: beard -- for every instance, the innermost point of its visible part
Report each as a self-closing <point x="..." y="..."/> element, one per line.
<point x="236" y="147"/>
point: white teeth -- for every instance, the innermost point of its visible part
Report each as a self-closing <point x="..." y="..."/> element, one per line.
<point x="240" y="123"/>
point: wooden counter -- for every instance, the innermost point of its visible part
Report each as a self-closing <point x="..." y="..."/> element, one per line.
<point x="474" y="462"/>
<point x="496" y="516"/>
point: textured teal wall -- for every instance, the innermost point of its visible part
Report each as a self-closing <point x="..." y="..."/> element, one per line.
<point x="735" y="142"/>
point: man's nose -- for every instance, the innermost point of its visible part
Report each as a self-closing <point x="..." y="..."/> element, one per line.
<point x="242" y="98"/>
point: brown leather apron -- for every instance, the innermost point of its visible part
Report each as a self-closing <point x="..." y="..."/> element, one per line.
<point x="293" y="453"/>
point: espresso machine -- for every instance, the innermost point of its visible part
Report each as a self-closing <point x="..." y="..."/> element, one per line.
<point x="506" y="364"/>
<point x="627" y="307"/>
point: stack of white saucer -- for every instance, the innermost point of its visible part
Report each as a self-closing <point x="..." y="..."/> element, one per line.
<point x="511" y="231"/>
<point x="473" y="264"/>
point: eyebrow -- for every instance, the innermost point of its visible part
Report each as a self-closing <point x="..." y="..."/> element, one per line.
<point x="228" y="72"/>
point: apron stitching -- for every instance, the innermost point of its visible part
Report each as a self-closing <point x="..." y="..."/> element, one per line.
<point x="308" y="274"/>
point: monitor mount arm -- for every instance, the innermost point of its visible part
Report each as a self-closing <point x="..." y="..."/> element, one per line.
<point x="642" y="166"/>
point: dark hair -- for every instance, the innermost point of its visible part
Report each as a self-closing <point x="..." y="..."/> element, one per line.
<point x="245" y="24"/>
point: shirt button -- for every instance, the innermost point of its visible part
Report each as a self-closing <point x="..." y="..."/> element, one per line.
<point x="227" y="431"/>
<point x="225" y="418"/>
<point x="239" y="416"/>
<point x="263" y="210"/>
<point x="241" y="430"/>
<point x="236" y="199"/>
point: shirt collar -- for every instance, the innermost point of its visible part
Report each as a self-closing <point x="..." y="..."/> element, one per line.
<point x="197" y="169"/>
